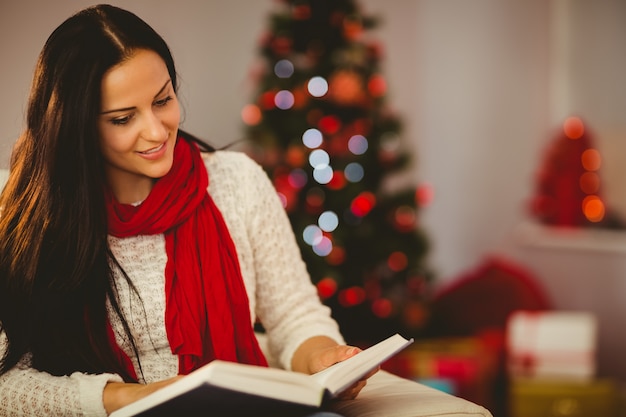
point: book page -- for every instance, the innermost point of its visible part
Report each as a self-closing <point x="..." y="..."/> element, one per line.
<point x="343" y="374"/>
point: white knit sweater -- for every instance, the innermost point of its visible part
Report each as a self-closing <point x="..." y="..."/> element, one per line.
<point x="278" y="285"/>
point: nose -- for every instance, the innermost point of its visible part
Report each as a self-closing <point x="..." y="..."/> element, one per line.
<point x="154" y="130"/>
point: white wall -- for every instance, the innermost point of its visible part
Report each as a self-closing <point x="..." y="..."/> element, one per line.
<point x="213" y="43"/>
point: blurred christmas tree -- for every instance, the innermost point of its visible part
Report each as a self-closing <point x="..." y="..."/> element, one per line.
<point x="568" y="186"/>
<point x="320" y="126"/>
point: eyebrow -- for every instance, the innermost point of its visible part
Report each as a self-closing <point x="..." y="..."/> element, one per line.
<point x="134" y="107"/>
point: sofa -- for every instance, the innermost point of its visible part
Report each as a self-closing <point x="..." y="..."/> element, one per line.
<point x="387" y="395"/>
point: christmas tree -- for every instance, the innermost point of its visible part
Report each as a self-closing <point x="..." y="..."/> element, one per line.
<point x="320" y="125"/>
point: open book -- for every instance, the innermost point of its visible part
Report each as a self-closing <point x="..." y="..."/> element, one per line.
<point x="227" y="388"/>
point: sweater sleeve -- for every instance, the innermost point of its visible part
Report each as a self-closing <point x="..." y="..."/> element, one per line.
<point x="25" y="391"/>
<point x="286" y="301"/>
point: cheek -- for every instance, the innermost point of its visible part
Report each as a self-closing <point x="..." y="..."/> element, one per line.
<point x="115" y="141"/>
<point x="171" y="116"/>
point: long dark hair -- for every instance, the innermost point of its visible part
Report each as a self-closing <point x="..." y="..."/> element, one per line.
<point x="56" y="268"/>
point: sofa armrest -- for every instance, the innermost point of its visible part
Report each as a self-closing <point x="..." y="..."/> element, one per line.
<point x="388" y="395"/>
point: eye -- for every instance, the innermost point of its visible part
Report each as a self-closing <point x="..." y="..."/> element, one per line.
<point x="121" y="120"/>
<point x="163" y="102"/>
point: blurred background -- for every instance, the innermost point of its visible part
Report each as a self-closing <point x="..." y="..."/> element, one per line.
<point x="484" y="90"/>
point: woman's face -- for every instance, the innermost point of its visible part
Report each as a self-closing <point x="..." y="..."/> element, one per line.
<point x="138" y="125"/>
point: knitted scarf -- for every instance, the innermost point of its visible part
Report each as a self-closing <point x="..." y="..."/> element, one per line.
<point x="207" y="315"/>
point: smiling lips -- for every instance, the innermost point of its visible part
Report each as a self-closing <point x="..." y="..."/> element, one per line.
<point x="154" y="153"/>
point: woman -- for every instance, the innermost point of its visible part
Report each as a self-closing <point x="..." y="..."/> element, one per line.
<point x="118" y="270"/>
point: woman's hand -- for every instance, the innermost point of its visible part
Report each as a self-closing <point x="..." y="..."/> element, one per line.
<point x="318" y="353"/>
<point x="118" y="394"/>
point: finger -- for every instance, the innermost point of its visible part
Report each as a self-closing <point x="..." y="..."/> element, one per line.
<point x="352" y="392"/>
<point x="336" y="354"/>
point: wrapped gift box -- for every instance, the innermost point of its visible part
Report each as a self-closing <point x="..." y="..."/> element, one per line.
<point x="553" y="344"/>
<point x="463" y="366"/>
<point x="542" y="398"/>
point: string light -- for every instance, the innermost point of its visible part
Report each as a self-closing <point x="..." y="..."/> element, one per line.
<point x="297" y="178"/>
<point x="326" y="287"/>
<point x="319" y="158"/>
<point x="312" y="235"/>
<point x="328" y="221"/>
<point x="377" y="86"/>
<point x="352" y="296"/>
<point x="591" y="159"/>
<point x="323" y="174"/>
<point x="363" y="204"/>
<point x="357" y="144"/>
<point x="251" y="114"/>
<point x="312" y="138"/>
<point x="593" y="208"/>
<point x="317" y="86"/>
<point x="397" y="261"/>
<point x="284" y="99"/>
<point x="323" y="247"/>
<point x="354" y="172"/>
<point x="573" y="128"/>
<point x="382" y="308"/>
<point x="283" y="68"/>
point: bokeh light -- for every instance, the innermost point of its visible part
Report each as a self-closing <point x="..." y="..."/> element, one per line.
<point x="357" y="144"/>
<point x="405" y="218"/>
<point x="283" y="68"/>
<point x="312" y="138"/>
<point x="377" y="85"/>
<point x="323" y="174"/>
<point x="593" y="208"/>
<point x="251" y="114"/>
<point x="284" y="99"/>
<point x="312" y="235"/>
<point x="354" y="172"/>
<point x="352" y="296"/>
<point x="317" y="86"/>
<point x="363" y="204"/>
<point x="329" y="124"/>
<point x="315" y="197"/>
<point x="591" y="159"/>
<point x="297" y="178"/>
<point x="573" y="128"/>
<point x="323" y="247"/>
<point x="382" y="308"/>
<point x="319" y="158"/>
<point x="337" y="256"/>
<point x="326" y="287"/>
<point x="397" y="261"/>
<point x="590" y="183"/>
<point x="425" y="194"/>
<point x="337" y="182"/>
<point x="328" y="221"/>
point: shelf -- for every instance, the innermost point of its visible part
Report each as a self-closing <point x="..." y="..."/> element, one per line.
<point x="537" y="235"/>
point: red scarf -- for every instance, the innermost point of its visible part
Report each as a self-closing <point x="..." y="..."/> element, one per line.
<point x="207" y="315"/>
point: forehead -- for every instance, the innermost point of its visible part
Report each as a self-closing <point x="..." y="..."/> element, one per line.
<point x="138" y="78"/>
